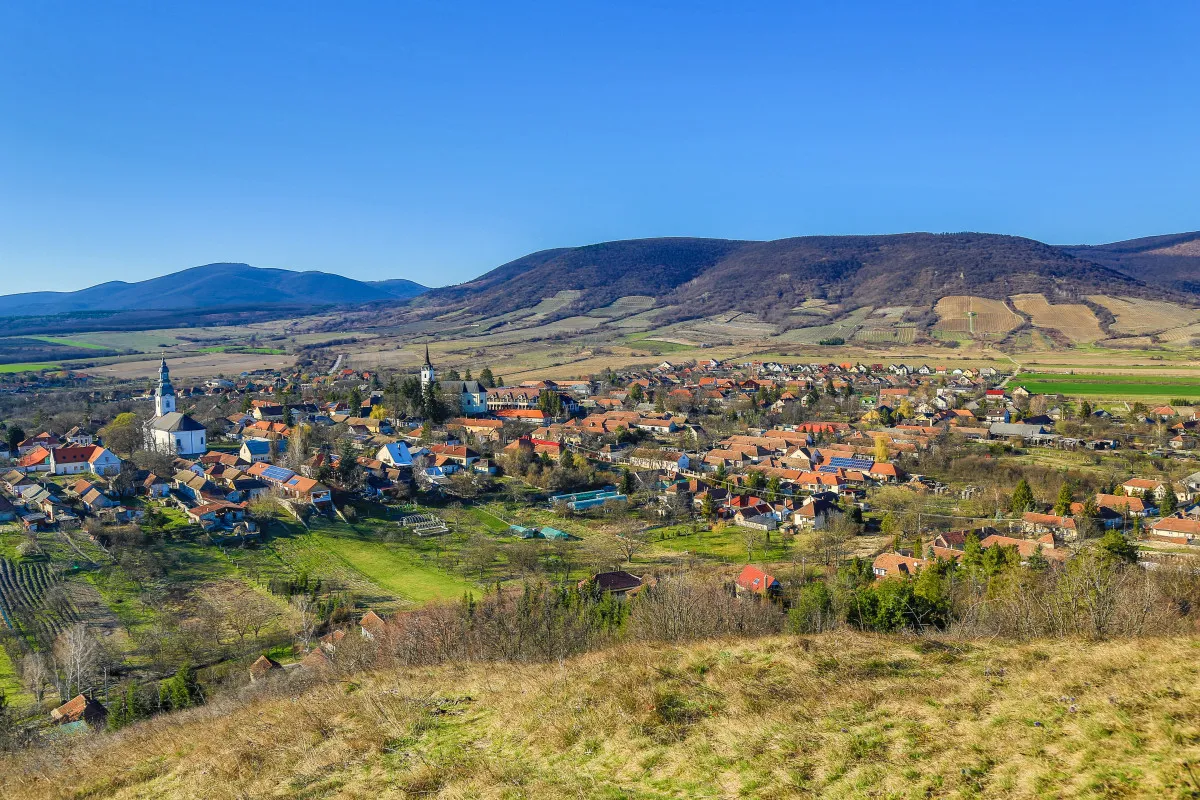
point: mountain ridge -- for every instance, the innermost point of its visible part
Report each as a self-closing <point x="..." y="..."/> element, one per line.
<point x="212" y="286"/>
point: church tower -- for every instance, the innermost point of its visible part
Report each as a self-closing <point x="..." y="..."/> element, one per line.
<point x="164" y="396"/>
<point x="428" y="376"/>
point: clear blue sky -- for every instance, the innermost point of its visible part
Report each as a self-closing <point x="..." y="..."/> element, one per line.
<point x="435" y="141"/>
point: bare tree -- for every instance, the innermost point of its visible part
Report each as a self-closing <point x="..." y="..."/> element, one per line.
<point x="632" y="542"/>
<point x="78" y="656"/>
<point x="36" y="675"/>
<point x="306" y="608"/>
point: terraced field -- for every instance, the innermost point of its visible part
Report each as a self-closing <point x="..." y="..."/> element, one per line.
<point x="1073" y="320"/>
<point x="991" y="318"/>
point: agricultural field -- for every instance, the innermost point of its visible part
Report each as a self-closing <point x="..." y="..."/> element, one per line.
<point x="1136" y="316"/>
<point x="1073" y="320"/>
<point x="34" y="367"/>
<point x="1110" y="387"/>
<point x="624" y="306"/>
<point x="990" y="318"/>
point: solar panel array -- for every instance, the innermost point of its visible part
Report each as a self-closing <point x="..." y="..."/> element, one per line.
<point x="852" y="463"/>
<point x="277" y="474"/>
<point x="828" y="469"/>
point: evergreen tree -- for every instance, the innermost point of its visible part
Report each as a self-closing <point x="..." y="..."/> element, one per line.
<point x="627" y="485"/>
<point x="486" y="378"/>
<point x="1117" y="546"/>
<point x="1022" y="499"/>
<point x="1062" y="506"/>
<point x="1169" y="503"/>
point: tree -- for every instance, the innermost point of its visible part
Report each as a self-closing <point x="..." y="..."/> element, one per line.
<point x="182" y="690"/>
<point x="35" y="675"/>
<point x="1169" y="503"/>
<point x="1022" y="499"/>
<point x="486" y="378"/>
<point x="1085" y="410"/>
<point x="1118" y="547"/>
<point x="881" y="448"/>
<point x="480" y="553"/>
<point x="78" y="656"/>
<point x="752" y="539"/>
<point x="15" y="436"/>
<point x="636" y="394"/>
<point x="630" y="543"/>
<point x="628" y="486"/>
<point x="123" y="434"/>
<point x="708" y="508"/>
<point x="1062" y="506"/>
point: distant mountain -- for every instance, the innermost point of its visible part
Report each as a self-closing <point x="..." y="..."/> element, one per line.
<point x="213" y="286"/>
<point x="1172" y="260"/>
<point x="698" y="277"/>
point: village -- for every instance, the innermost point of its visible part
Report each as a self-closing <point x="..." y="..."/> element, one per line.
<point x="768" y="475"/>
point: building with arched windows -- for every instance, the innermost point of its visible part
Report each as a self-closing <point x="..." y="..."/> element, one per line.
<point x="171" y="431"/>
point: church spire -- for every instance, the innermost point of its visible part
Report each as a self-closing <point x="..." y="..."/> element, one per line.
<point x="427" y="361"/>
<point x="164" y="396"/>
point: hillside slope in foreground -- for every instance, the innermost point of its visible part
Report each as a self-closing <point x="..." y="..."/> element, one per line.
<point x="838" y="715"/>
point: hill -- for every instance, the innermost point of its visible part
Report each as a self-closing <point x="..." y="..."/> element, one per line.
<point x="1172" y="261"/>
<point x="832" y="715"/>
<point x="700" y="277"/>
<point x="212" y="286"/>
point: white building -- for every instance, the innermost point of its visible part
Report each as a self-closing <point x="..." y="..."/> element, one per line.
<point x="171" y="431"/>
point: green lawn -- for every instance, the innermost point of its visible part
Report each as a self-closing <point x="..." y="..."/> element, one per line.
<point x="1134" y="387"/>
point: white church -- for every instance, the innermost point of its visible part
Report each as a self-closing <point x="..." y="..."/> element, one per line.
<point x="171" y="431"/>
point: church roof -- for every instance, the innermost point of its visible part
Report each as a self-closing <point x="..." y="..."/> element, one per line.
<point x="461" y="387"/>
<point x="174" y="422"/>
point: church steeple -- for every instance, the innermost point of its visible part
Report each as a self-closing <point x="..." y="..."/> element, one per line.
<point x="428" y="375"/>
<point x="164" y="395"/>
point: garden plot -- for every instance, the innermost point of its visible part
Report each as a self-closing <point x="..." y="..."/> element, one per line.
<point x="424" y="525"/>
<point x="1073" y="320"/>
<point x="991" y="318"/>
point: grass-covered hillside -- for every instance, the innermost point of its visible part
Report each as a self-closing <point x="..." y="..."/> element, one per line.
<point x="834" y="715"/>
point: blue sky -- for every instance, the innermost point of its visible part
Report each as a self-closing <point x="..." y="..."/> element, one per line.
<point x="435" y="141"/>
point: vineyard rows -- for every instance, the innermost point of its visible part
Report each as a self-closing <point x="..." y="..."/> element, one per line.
<point x="23" y="590"/>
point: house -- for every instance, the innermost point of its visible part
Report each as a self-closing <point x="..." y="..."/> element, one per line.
<point x="618" y="583"/>
<point x="395" y="454"/>
<point x="814" y="515"/>
<point x="263" y="667"/>
<point x="80" y="708"/>
<point x="72" y="460"/>
<point x="45" y="440"/>
<point x="1129" y="506"/>
<point x="753" y="580"/>
<point x="1026" y="547"/>
<point x="1177" y="530"/>
<point x="217" y="515"/>
<point x="1145" y="487"/>
<point x="37" y="459"/>
<point x="255" y="450"/>
<point x="895" y="565"/>
<point x="372" y="625"/>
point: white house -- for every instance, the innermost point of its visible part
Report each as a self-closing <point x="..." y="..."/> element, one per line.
<point x="395" y="454"/>
<point x="73" y="459"/>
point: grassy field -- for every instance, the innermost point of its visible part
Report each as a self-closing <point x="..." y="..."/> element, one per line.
<point x="838" y="715"/>
<point x="1116" y="387"/>
<point x="27" y="367"/>
<point x="70" y="342"/>
<point x="394" y="566"/>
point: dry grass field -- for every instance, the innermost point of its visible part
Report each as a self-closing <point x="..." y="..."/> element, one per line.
<point x="207" y="365"/>
<point x="1137" y="316"/>
<point x="992" y="317"/>
<point x="1073" y="320"/>
<point x="836" y="715"/>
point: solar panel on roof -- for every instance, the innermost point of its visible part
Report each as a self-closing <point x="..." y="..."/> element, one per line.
<point x="279" y="474"/>
<point x="828" y="469"/>
<point x="851" y="463"/>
